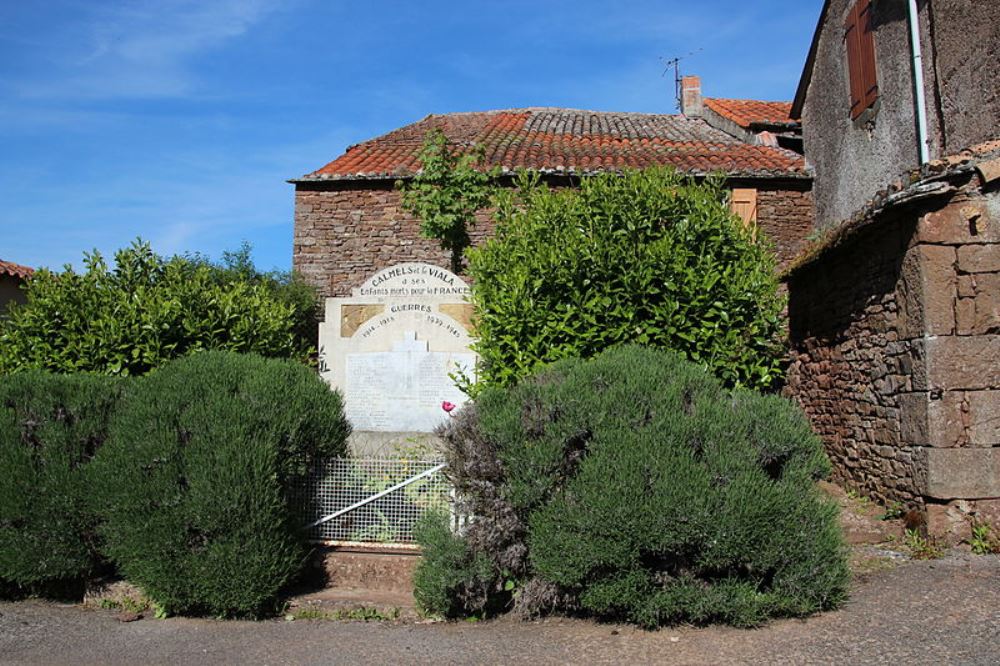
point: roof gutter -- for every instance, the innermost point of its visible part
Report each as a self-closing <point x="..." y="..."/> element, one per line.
<point x="920" y="100"/>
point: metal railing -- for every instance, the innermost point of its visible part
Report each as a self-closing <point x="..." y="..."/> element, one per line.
<point x="371" y="501"/>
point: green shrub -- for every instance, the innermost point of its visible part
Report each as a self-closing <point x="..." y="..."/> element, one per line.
<point x="650" y="257"/>
<point x="635" y="486"/>
<point x="195" y="484"/>
<point x="449" y="577"/>
<point x="147" y="310"/>
<point x="50" y="428"/>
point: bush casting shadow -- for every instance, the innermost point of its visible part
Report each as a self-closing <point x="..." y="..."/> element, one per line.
<point x="635" y="487"/>
<point x="195" y="480"/>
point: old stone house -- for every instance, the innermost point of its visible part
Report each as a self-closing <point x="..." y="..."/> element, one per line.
<point x="349" y="222"/>
<point x="895" y="311"/>
<point x="12" y="276"/>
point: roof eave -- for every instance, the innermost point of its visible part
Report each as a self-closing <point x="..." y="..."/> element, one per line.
<point x="798" y="174"/>
<point x="933" y="180"/>
<point x="771" y="126"/>
<point x="16" y="271"/>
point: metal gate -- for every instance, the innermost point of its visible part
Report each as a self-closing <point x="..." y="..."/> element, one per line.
<point x="372" y="501"/>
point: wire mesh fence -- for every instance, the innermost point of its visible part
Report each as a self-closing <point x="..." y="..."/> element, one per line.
<point x="384" y="515"/>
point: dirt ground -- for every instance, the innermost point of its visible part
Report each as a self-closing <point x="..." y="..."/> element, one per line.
<point x="901" y="610"/>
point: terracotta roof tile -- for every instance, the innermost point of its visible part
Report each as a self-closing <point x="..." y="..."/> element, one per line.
<point x="15" y="270"/>
<point x="568" y="141"/>
<point x="747" y="112"/>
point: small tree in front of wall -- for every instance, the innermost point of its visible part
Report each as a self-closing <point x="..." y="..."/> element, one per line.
<point x="446" y="193"/>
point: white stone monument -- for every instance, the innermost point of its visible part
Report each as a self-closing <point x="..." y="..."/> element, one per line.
<point x="391" y="347"/>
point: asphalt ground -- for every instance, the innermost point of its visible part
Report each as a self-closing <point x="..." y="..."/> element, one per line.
<point x="944" y="611"/>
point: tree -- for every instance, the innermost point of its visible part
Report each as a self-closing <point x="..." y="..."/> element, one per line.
<point x="148" y="309"/>
<point x="446" y="193"/>
<point x="651" y="257"/>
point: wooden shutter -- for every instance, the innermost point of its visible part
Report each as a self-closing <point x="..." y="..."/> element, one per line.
<point x="866" y="38"/>
<point x="860" y="41"/>
<point x="744" y="203"/>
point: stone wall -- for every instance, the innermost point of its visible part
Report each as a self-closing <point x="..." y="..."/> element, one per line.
<point x="852" y="360"/>
<point x="785" y="215"/>
<point x="10" y="290"/>
<point x="345" y="231"/>
<point x="895" y="350"/>
<point x="960" y="411"/>
<point x="965" y="100"/>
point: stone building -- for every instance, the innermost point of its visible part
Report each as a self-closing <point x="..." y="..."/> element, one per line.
<point x="12" y="276"/>
<point x="858" y="108"/>
<point x="895" y="311"/>
<point x="349" y="222"/>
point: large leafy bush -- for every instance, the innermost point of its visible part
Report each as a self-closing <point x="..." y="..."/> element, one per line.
<point x="635" y="486"/>
<point x="651" y="257"/>
<point x="195" y="485"/>
<point x="148" y="310"/>
<point x="50" y="428"/>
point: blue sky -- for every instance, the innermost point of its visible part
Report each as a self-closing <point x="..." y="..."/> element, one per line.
<point x="179" y="121"/>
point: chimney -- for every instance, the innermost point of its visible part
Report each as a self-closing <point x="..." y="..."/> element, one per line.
<point x="691" y="96"/>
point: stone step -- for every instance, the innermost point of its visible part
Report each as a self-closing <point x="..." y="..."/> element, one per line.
<point x="358" y="582"/>
<point x="360" y="576"/>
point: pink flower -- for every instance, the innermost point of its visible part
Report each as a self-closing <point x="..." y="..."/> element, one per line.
<point x="447" y="406"/>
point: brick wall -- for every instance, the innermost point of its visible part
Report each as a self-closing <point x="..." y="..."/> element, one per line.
<point x="344" y="231"/>
<point x="895" y="350"/>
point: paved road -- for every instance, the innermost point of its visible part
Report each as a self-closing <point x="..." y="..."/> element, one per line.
<point x="940" y="612"/>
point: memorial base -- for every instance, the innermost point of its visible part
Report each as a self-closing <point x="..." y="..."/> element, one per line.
<point x="411" y="445"/>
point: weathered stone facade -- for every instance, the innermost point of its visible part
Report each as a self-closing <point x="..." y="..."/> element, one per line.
<point x="852" y="363"/>
<point x="895" y="336"/>
<point x="347" y="230"/>
<point x="854" y="159"/>
<point x="785" y="215"/>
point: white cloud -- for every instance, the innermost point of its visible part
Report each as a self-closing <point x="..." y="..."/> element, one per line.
<point x="144" y="49"/>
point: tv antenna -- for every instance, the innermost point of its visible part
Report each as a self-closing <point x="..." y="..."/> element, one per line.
<point x="675" y="62"/>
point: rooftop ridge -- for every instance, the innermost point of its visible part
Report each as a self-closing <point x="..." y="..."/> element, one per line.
<point x="552" y="109"/>
<point x="570" y="141"/>
<point x="745" y="99"/>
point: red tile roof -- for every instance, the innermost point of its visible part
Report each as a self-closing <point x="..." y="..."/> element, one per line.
<point x="568" y="141"/>
<point x="747" y="112"/>
<point x="15" y="270"/>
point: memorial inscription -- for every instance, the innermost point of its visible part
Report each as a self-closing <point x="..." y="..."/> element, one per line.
<point x="394" y="367"/>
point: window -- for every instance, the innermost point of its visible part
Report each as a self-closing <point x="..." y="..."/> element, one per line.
<point x="861" y="57"/>
<point x="743" y="202"/>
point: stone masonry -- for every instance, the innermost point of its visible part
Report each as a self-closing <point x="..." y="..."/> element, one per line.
<point x="347" y="230"/>
<point x="852" y="359"/>
<point x="785" y="215"/>
<point x="895" y="349"/>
